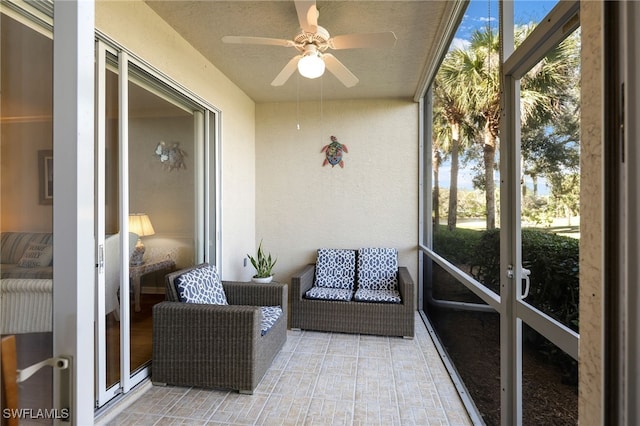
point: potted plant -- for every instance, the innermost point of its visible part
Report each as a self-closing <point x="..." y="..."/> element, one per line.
<point x="263" y="265"/>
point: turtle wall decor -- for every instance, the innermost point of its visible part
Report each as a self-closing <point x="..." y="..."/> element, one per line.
<point x="333" y="153"/>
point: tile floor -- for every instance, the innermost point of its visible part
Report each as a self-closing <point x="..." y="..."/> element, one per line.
<point x="322" y="379"/>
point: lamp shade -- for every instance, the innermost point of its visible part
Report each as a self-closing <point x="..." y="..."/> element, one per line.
<point x="311" y="64"/>
<point x="140" y="224"/>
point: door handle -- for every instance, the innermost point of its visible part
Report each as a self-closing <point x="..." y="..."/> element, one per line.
<point x="60" y="363"/>
<point x="100" y="258"/>
<point x="525" y="276"/>
<point x="527" y="282"/>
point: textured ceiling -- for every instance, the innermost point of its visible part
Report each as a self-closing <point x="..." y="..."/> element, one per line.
<point x="399" y="72"/>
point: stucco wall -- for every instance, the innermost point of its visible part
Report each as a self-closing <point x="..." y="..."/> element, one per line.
<point x="134" y="25"/>
<point x="372" y="201"/>
<point x="591" y="398"/>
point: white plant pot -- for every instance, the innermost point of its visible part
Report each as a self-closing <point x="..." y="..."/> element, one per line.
<point x="262" y="280"/>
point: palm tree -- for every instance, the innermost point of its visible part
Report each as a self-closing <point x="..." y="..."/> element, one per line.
<point x="550" y="133"/>
<point x="471" y="78"/>
<point x="453" y="107"/>
<point x="481" y="76"/>
<point x="440" y="147"/>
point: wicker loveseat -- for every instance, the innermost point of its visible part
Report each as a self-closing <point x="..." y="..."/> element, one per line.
<point x="331" y="309"/>
<point x="217" y="345"/>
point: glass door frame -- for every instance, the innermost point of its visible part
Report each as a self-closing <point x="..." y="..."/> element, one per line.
<point x="104" y="393"/>
<point x="207" y="205"/>
<point x="561" y="21"/>
<point x="556" y="26"/>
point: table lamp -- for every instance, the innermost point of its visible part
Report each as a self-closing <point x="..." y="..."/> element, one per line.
<point x="140" y="224"/>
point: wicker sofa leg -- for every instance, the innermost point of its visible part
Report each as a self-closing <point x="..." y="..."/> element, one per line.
<point x="245" y="391"/>
<point x="158" y="383"/>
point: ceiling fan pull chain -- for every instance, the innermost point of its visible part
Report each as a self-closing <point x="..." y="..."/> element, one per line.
<point x="298" y="103"/>
<point x="321" y="107"/>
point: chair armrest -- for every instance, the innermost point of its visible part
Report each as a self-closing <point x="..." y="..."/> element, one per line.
<point x="201" y="345"/>
<point x="302" y="281"/>
<point x="185" y="321"/>
<point x="406" y="286"/>
<point x="256" y="294"/>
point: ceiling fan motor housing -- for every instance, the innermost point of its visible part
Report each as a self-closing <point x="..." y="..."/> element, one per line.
<point x="320" y="38"/>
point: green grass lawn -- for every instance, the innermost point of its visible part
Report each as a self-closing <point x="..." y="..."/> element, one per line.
<point x="559" y="226"/>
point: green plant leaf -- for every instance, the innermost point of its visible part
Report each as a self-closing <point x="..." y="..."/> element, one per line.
<point x="263" y="264"/>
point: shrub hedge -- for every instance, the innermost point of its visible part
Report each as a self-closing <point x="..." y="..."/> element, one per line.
<point x="553" y="261"/>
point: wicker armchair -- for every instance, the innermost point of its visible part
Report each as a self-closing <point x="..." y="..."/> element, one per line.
<point x="218" y="346"/>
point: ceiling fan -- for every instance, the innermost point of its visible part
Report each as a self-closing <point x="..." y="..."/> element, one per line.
<point x="312" y="41"/>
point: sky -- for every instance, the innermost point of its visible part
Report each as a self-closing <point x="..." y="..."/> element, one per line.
<point x="478" y="15"/>
<point x="481" y="12"/>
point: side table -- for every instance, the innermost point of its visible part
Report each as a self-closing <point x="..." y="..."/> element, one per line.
<point x="136" y="272"/>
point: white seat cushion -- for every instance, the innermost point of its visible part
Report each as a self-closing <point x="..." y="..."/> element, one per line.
<point x="270" y="315"/>
<point x="385" y="296"/>
<point x="324" y="293"/>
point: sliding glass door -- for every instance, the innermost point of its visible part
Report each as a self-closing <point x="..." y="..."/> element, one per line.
<point x="26" y="212"/>
<point x="154" y="166"/>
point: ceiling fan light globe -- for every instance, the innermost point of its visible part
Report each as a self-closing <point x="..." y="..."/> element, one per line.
<point x="311" y="65"/>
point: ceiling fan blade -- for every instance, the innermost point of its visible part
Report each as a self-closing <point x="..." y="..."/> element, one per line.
<point x="338" y="69"/>
<point x="258" y="40"/>
<point x="286" y="72"/>
<point x="307" y="15"/>
<point x="355" y="41"/>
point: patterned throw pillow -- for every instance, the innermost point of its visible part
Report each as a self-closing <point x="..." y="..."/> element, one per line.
<point x="201" y="285"/>
<point x="335" y="268"/>
<point x="36" y="255"/>
<point x="378" y="269"/>
<point x="270" y="315"/>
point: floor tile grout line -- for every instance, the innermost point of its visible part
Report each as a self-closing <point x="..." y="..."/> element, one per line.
<point x="395" y="381"/>
<point x="270" y="393"/>
<point x="425" y="361"/>
<point x="315" y="385"/>
<point x="226" y="396"/>
<point x="284" y="368"/>
<point x="355" y="384"/>
<point x="161" y="416"/>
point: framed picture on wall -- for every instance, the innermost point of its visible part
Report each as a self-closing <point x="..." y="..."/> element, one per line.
<point x="45" y="172"/>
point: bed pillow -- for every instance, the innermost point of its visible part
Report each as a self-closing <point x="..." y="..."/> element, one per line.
<point x="36" y="255"/>
<point x="201" y="285"/>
